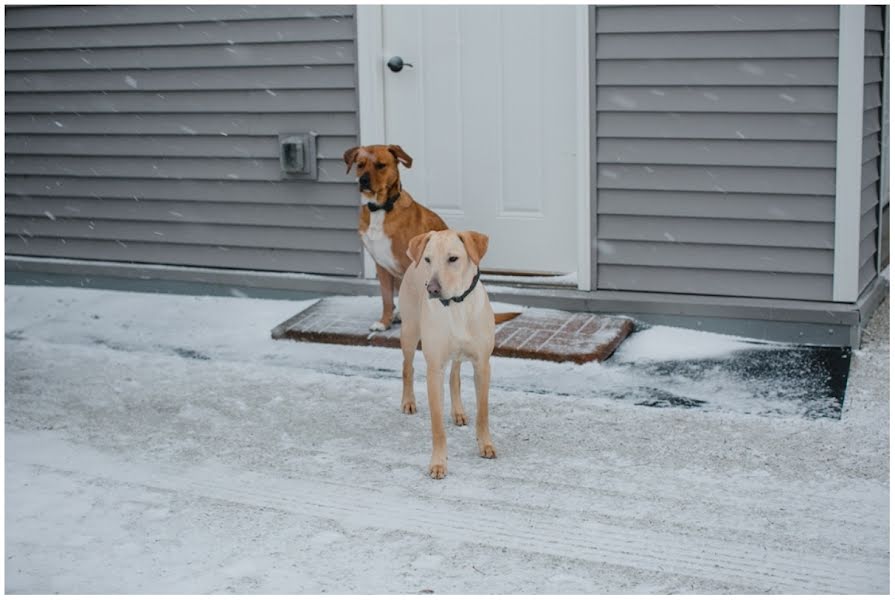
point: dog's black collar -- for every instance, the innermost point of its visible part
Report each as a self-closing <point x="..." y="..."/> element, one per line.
<point x="462" y="297"/>
<point x="388" y="206"/>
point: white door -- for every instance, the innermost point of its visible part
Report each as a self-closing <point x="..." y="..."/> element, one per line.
<point x="488" y="113"/>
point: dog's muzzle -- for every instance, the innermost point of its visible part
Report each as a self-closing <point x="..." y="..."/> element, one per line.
<point x="434" y="289"/>
<point x="363" y="183"/>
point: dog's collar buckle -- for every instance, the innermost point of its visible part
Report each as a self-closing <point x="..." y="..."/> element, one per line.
<point x="462" y="297"/>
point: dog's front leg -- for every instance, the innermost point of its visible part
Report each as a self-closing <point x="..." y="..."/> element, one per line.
<point x="435" y="385"/>
<point x="387" y="289"/>
<point x="482" y="431"/>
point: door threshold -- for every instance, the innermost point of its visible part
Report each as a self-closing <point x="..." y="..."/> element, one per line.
<point x="516" y="279"/>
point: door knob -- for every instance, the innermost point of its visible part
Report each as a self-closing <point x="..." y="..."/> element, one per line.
<point x="396" y="63"/>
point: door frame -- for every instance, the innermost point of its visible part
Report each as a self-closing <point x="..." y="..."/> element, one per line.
<point x="371" y="116"/>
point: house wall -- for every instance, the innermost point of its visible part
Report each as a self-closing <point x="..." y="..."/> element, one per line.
<point x="150" y="134"/>
<point x="716" y="148"/>
<point x="873" y="119"/>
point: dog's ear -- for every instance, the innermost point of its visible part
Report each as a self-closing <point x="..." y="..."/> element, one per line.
<point x="476" y="245"/>
<point x="349" y="157"/>
<point x="417" y="245"/>
<point x="402" y="156"/>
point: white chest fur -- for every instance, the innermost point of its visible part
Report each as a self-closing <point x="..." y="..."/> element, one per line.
<point x="378" y="244"/>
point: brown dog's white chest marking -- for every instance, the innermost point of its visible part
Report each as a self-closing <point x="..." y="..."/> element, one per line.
<point x="377" y="242"/>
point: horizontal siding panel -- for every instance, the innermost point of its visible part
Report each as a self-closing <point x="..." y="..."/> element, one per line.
<point x="257" y="101"/>
<point x="873" y="43"/>
<point x="166" y="168"/>
<point x="869" y="198"/>
<point x="713" y="152"/>
<point x="870" y="148"/>
<point x="294" y="192"/>
<point x="167" y="146"/>
<point x="83" y="16"/>
<point x="264" y="259"/>
<point x="868" y="249"/>
<point x="741" y="258"/>
<point x="758" y="72"/>
<point x="761" y="180"/>
<point x="180" y="34"/>
<point x="716" y="148"/>
<point x="716" y="282"/>
<point x="867" y="274"/>
<point x="717" y="126"/>
<point x="632" y="19"/>
<point x="872" y="96"/>
<point x="718" y="45"/>
<point x="873" y="70"/>
<point x="223" y="78"/>
<point x="206" y="234"/>
<point x="717" y="99"/>
<point x="150" y="134"/>
<point x="869" y="173"/>
<point x="294" y="54"/>
<point x="716" y="231"/>
<point x="185" y="123"/>
<point x="215" y="213"/>
<point x="871" y="121"/>
<point x="770" y="207"/>
<point x="873" y="17"/>
<point x="868" y="223"/>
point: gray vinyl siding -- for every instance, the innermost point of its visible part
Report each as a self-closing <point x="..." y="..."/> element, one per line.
<point x="150" y="134"/>
<point x="716" y="149"/>
<point x="870" y="173"/>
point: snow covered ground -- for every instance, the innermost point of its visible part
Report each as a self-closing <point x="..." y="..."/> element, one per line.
<point x="161" y="444"/>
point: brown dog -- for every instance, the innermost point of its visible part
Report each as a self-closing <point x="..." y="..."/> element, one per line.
<point x="389" y="218"/>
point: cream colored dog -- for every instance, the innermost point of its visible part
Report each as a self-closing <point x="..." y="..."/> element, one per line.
<point x="444" y="305"/>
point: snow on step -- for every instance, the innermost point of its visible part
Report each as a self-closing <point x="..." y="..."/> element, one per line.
<point x="537" y="333"/>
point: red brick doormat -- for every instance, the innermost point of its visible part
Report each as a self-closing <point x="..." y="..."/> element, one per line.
<point x="537" y="333"/>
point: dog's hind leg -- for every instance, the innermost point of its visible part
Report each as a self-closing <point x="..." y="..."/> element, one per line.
<point x="396" y="319"/>
<point x="457" y="412"/>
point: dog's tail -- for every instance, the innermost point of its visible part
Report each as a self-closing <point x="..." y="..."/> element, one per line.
<point x="504" y="317"/>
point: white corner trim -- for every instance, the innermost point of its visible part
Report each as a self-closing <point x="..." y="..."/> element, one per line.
<point x="583" y="118"/>
<point x="849" y="138"/>
<point x="370" y="89"/>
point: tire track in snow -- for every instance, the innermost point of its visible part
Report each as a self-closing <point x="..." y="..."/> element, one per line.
<point x="748" y="565"/>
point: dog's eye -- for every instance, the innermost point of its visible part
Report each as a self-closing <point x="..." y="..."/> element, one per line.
<point x="380" y="166"/>
<point x="452" y="259"/>
<point x="427" y="259"/>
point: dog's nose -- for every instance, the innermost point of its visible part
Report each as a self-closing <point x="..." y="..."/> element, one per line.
<point x="434" y="288"/>
<point x="364" y="180"/>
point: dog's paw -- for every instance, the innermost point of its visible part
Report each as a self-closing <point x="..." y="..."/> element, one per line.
<point x="397" y="318"/>
<point x="487" y="450"/>
<point x="408" y="407"/>
<point x="378" y="326"/>
<point x="437" y="470"/>
<point x="459" y="418"/>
